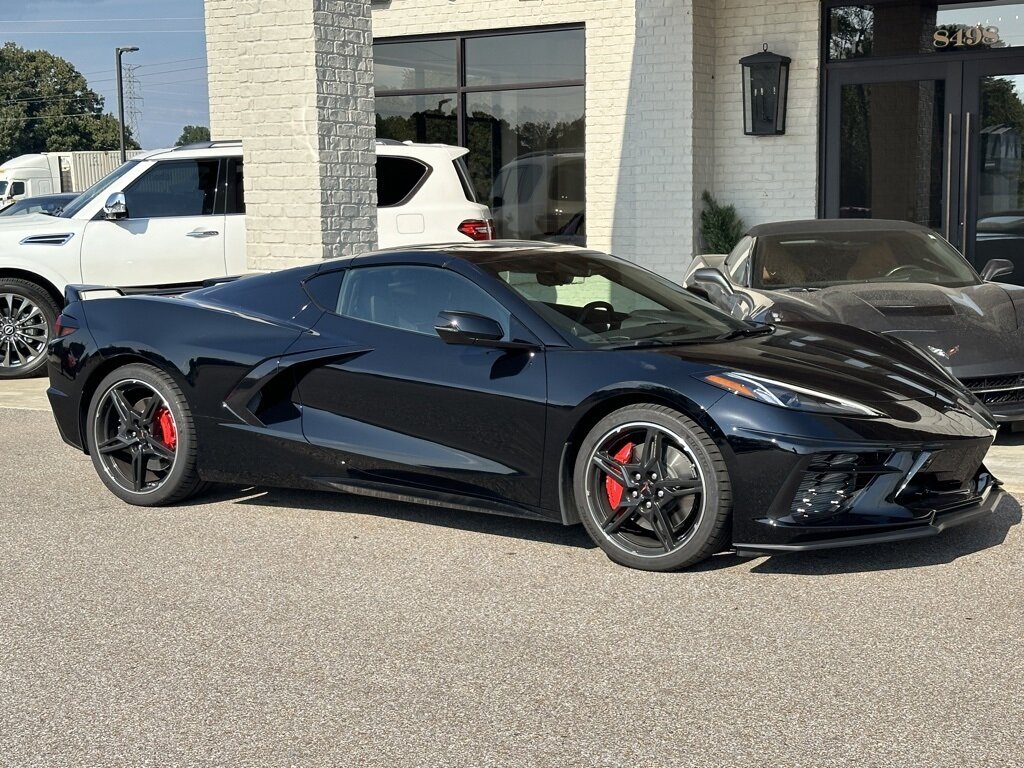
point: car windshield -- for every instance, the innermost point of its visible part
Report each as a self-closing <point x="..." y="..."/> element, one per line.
<point x="90" y="194"/>
<point x="820" y="260"/>
<point x="608" y="302"/>
<point x="3" y="187"/>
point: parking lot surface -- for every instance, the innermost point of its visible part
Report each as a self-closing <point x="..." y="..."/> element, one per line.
<point x="268" y="627"/>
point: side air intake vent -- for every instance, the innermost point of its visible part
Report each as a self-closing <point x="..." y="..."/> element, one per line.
<point x="60" y="239"/>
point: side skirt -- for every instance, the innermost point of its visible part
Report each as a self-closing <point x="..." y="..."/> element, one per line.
<point x="431" y="498"/>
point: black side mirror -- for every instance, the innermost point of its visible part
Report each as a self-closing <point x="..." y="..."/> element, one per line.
<point x="467" y="328"/>
<point x="713" y="276"/>
<point x="996" y="268"/>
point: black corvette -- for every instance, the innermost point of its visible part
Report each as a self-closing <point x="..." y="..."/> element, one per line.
<point x="885" y="276"/>
<point x="544" y="381"/>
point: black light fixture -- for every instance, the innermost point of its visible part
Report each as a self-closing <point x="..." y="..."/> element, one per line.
<point x="765" y="81"/>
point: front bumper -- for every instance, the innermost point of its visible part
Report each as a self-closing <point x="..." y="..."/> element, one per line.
<point x="936" y="523"/>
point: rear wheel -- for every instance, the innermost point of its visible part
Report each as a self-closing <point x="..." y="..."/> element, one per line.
<point x="652" y="489"/>
<point x="142" y="437"/>
<point x="27" y="316"/>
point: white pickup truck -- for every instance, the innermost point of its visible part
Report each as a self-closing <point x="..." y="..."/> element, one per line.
<point x="167" y="220"/>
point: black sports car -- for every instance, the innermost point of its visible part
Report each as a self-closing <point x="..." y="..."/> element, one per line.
<point x="526" y="379"/>
<point x="886" y="276"/>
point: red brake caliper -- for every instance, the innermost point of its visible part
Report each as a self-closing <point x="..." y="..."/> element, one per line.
<point x="611" y="486"/>
<point x="165" y="429"/>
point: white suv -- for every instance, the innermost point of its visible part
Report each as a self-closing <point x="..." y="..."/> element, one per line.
<point x="167" y="220"/>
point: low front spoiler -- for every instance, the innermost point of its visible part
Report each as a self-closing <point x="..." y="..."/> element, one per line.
<point x="938" y="522"/>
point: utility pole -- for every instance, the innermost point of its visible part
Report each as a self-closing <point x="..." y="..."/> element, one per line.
<point x="119" y="52"/>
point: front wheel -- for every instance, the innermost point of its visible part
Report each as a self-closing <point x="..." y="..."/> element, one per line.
<point x="141" y="437"/>
<point x="27" y="316"/>
<point x="652" y="489"/>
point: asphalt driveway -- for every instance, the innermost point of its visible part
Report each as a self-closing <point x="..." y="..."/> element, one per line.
<point x="264" y="627"/>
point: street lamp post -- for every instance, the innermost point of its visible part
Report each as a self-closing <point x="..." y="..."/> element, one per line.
<point x="119" y="52"/>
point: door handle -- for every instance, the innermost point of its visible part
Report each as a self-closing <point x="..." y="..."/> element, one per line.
<point x="203" y="233"/>
<point x="967" y="181"/>
<point x="949" y="178"/>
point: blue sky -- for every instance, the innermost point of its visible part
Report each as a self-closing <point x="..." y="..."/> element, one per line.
<point x="171" y="60"/>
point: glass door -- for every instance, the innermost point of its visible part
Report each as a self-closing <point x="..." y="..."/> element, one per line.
<point x="992" y="207"/>
<point x="892" y="138"/>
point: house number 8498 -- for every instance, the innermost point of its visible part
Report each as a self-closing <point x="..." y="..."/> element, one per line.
<point x="965" y="36"/>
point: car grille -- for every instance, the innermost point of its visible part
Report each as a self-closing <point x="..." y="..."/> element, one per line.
<point x="830" y="484"/>
<point x="998" y="390"/>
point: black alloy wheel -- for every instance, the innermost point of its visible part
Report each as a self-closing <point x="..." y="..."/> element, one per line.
<point x="652" y="489"/>
<point x="27" y="316"/>
<point x="141" y="437"/>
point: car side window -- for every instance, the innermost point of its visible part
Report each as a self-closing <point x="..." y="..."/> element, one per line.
<point x="17" y="188"/>
<point x="409" y="297"/>
<point x="397" y="179"/>
<point x="174" y="188"/>
<point x="235" y="187"/>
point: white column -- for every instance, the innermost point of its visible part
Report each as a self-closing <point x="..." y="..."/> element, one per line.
<point x="293" y="79"/>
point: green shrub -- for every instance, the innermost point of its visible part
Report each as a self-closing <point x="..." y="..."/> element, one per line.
<point x="720" y="227"/>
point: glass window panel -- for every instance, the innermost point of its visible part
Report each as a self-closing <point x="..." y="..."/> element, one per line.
<point x="525" y="58"/>
<point x="426" y="118"/>
<point x="410" y="297"/>
<point x="397" y="177"/>
<point x="526" y="160"/>
<point x="892" y="29"/>
<point x="891" y="141"/>
<point x="426" y="64"/>
<point x="182" y="188"/>
<point x="1000" y="226"/>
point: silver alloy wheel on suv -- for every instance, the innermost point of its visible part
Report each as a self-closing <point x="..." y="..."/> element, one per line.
<point x="24" y="332"/>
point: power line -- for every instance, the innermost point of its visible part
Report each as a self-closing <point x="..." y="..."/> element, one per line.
<point x="116" y="32"/>
<point x="104" y="71"/>
<point x="53" y="117"/>
<point x="97" y="21"/>
<point x="72" y="94"/>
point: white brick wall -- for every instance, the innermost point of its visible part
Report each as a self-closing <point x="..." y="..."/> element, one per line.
<point x="663" y="112"/>
<point x="767" y="178"/>
<point x="291" y="79"/>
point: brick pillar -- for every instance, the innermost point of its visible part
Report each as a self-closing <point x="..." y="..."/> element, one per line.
<point x="293" y="79"/>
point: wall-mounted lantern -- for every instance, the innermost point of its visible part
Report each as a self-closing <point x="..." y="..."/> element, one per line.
<point x="765" y="81"/>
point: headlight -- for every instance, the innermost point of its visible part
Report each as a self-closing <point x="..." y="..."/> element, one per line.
<point x="787" y="395"/>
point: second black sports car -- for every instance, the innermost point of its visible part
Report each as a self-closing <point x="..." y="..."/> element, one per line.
<point x="885" y="276"/>
<point x="543" y="381"/>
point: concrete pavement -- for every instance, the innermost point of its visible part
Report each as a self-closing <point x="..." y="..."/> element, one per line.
<point x="267" y="627"/>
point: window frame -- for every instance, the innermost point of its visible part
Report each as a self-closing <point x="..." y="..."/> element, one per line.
<point x="218" y="195"/>
<point x="461" y="89"/>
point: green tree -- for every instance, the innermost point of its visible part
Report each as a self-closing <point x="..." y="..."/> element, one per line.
<point x="46" y="105"/>
<point x="192" y="134"/>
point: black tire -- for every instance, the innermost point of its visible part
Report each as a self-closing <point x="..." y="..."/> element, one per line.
<point x="673" y="506"/>
<point x="28" y="314"/>
<point x="120" y="447"/>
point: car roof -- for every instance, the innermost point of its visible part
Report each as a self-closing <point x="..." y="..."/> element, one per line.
<point x="825" y="226"/>
<point x="484" y="252"/>
<point x="233" y="148"/>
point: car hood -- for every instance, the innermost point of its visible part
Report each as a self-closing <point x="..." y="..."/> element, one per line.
<point x="858" y="365"/>
<point x="973" y="330"/>
<point x="23" y="224"/>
